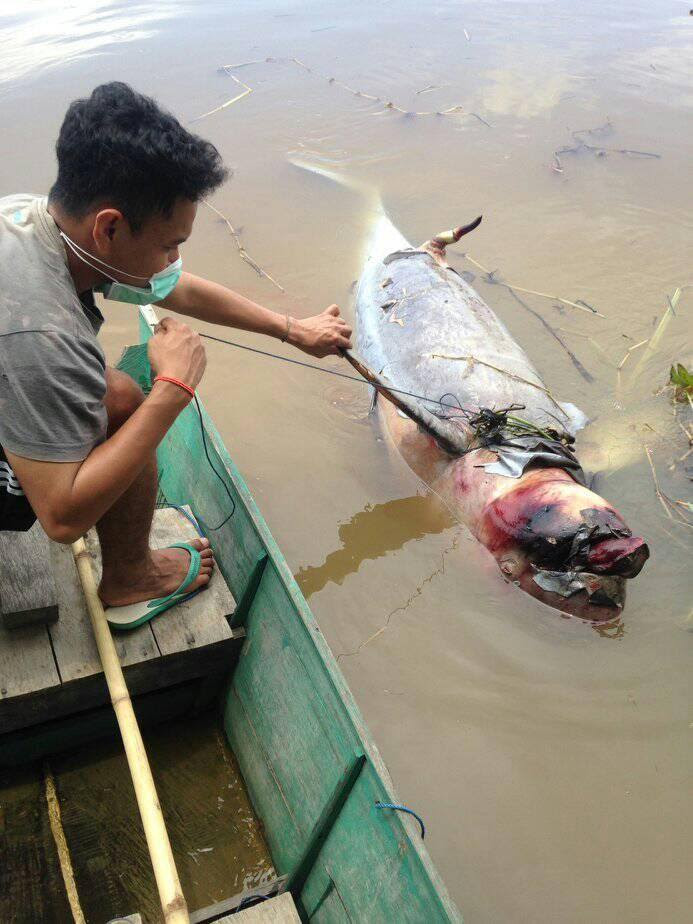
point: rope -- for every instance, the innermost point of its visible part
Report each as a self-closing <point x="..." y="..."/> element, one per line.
<point x="403" y="808"/>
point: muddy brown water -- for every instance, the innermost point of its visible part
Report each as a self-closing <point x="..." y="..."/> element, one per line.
<point x="551" y="762"/>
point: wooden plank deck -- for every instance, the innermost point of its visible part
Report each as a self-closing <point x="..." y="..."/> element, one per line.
<point x="53" y="672"/>
<point x="27" y="587"/>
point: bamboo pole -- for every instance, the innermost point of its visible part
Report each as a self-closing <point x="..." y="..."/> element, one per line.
<point x="450" y="438"/>
<point x="173" y="903"/>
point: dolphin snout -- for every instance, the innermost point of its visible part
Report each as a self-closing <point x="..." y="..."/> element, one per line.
<point x="624" y="556"/>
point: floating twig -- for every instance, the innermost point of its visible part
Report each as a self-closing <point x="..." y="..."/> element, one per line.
<point x="518" y="378"/>
<point x="658" y="491"/>
<point x="388" y="104"/>
<point x="669" y="313"/>
<point x="232" y="67"/>
<point x="667" y="503"/>
<point x="480" y="118"/>
<point x="628" y="352"/>
<point x="491" y="278"/>
<point x="229" y="102"/>
<point x="241" y="249"/>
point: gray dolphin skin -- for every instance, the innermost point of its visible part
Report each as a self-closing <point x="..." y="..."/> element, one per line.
<point x="422" y="326"/>
<point x="487" y="435"/>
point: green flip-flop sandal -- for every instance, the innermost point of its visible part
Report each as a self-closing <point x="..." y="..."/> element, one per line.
<point x="136" y="614"/>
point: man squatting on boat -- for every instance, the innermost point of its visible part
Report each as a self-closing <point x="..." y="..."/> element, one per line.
<point x="77" y="437"/>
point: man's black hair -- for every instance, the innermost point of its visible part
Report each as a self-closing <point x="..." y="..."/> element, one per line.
<point x="118" y="147"/>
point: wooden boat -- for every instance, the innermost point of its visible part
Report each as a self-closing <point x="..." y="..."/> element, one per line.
<point x="313" y="773"/>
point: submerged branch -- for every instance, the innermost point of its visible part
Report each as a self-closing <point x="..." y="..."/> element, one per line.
<point x="389" y="106"/>
<point x="241" y="249"/>
<point x="229" y="102"/>
<point x="669" y="313"/>
<point x="667" y="503"/>
<point x="597" y="149"/>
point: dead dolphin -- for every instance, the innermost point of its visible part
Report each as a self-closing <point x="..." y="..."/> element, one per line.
<point x="490" y="438"/>
<point x="512" y="477"/>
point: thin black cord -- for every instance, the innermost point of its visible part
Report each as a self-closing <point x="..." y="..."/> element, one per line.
<point x="211" y="465"/>
<point x="295" y="362"/>
<point x="341" y="375"/>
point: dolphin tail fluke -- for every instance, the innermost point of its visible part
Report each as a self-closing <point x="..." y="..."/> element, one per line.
<point x="384" y="238"/>
<point x="334" y="176"/>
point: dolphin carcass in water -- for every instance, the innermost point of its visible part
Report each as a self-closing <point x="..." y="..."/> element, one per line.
<point x="492" y="441"/>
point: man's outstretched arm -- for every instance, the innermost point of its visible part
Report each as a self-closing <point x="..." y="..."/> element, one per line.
<point x="320" y="335"/>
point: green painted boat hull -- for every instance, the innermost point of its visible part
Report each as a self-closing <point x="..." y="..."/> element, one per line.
<point x="310" y="765"/>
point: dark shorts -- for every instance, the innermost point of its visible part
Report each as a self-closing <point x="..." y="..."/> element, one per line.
<point x="16" y="514"/>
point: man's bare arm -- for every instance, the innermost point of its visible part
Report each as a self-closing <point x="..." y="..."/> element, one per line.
<point x="320" y="335"/>
<point x="70" y="497"/>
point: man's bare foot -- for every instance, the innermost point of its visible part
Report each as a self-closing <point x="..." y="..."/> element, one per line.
<point x="164" y="571"/>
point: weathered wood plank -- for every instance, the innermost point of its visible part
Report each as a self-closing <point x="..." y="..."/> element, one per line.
<point x="80" y="729"/>
<point x="72" y="636"/>
<point x="26" y="664"/>
<point x="44" y="705"/>
<point x="278" y="910"/>
<point x="27" y="589"/>
<point x="226" y="906"/>
<point x="201" y="621"/>
<point x="193" y="639"/>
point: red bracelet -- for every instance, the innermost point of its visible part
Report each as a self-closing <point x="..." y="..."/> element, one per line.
<point x="168" y="378"/>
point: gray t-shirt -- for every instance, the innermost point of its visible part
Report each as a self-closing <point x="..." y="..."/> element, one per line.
<point x="52" y="367"/>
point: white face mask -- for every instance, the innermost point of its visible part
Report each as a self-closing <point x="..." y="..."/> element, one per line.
<point x="157" y="288"/>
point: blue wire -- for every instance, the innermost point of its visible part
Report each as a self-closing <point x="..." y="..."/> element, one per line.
<point x="189" y="518"/>
<point x="403" y="808"/>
